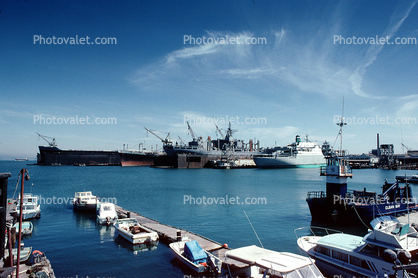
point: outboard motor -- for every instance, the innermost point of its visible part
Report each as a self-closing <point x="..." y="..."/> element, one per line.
<point x="389" y="256"/>
<point x="404" y="256"/>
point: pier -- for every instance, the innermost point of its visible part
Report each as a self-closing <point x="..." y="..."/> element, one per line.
<point x="168" y="234"/>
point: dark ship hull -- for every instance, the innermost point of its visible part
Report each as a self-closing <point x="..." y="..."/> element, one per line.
<point x="56" y="156"/>
<point x="137" y="159"/>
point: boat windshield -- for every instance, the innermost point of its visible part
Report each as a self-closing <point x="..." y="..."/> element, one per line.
<point x="308" y="271"/>
<point x="107" y="208"/>
<point x="29" y="207"/>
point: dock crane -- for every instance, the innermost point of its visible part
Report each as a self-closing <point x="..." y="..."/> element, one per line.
<point x="220" y="132"/>
<point x="403" y="146"/>
<point x="165" y="141"/>
<point x="53" y="143"/>
<point x="191" y="132"/>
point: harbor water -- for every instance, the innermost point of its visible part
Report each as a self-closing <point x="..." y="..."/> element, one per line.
<point x="208" y="202"/>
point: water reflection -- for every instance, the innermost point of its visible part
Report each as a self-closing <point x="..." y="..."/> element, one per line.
<point x="135" y="249"/>
<point x="106" y="233"/>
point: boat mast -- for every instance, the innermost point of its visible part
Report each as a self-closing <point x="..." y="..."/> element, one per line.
<point x="340" y="133"/>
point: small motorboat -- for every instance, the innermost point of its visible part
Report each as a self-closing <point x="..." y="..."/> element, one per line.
<point x="85" y="201"/>
<point x="27" y="228"/>
<point x="25" y="253"/>
<point x="193" y="256"/>
<point x="135" y="233"/>
<point x="31" y="208"/>
<point x="106" y="213"/>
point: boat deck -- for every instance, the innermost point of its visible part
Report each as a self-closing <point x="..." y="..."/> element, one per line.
<point x="168" y="234"/>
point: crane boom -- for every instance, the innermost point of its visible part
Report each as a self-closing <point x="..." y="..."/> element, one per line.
<point x="220" y="132"/>
<point x="166" y="140"/>
<point x="191" y="132"/>
<point x="53" y="143"/>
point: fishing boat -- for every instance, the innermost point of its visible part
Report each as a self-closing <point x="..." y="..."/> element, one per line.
<point x="31" y="208"/>
<point x="390" y="249"/>
<point x="339" y="203"/>
<point x="135" y="233"/>
<point x="275" y="264"/>
<point x="85" y="201"/>
<point x="297" y="154"/>
<point x="106" y="213"/>
<point x="27" y="228"/>
<point x="193" y="256"/>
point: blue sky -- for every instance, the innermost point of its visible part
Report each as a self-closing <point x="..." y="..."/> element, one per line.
<point x="150" y="78"/>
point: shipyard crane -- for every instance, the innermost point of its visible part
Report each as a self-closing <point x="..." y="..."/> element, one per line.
<point x="191" y="132"/>
<point x="53" y="143"/>
<point x="165" y="141"/>
<point x="403" y="145"/>
<point x="182" y="141"/>
<point x="220" y="132"/>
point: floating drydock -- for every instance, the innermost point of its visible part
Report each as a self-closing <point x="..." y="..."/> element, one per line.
<point x="55" y="156"/>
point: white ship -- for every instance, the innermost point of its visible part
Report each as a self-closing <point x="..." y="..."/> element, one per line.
<point x="297" y="154"/>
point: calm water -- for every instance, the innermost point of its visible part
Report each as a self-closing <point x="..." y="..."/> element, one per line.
<point x="77" y="246"/>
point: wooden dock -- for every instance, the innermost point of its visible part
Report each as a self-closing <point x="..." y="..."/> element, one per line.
<point x="168" y="234"/>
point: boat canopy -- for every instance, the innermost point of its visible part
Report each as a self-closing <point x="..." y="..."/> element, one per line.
<point x="282" y="262"/>
<point x="194" y="252"/>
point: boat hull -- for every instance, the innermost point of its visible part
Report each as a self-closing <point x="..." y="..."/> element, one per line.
<point x="137" y="159"/>
<point x="85" y="207"/>
<point x="306" y="161"/>
<point x="137" y="239"/>
<point x="132" y="231"/>
<point x="177" y="248"/>
<point x="323" y="209"/>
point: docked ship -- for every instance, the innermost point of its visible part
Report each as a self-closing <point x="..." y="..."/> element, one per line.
<point x="296" y="154"/>
<point x="339" y="203"/>
<point x="200" y="153"/>
<point x="52" y="155"/>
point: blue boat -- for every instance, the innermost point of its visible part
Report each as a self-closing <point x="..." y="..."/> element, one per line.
<point x="339" y="203"/>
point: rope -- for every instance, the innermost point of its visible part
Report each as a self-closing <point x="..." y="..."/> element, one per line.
<point x="360" y="217"/>
<point x="17" y="183"/>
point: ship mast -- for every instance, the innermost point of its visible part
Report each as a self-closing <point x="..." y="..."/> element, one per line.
<point x="340" y="133"/>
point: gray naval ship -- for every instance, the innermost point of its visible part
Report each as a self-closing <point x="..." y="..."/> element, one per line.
<point x="226" y="147"/>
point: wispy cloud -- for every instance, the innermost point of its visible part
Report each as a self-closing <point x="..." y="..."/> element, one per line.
<point x="356" y="79"/>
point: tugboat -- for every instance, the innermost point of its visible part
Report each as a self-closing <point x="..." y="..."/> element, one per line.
<point x="352" y="205"/>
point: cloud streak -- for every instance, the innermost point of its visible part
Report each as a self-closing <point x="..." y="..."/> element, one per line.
<point x="373" y="51"/>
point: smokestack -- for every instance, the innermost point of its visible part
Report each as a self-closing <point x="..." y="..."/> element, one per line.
<point x="378" y="145"/>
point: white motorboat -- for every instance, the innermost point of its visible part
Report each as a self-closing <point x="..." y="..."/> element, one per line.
<point x="85" y="201"/>
<point x="25" y="253"/>
<point x="31" y="208"/>
<point x="135" y="233"/>
<point x="194" y="257"/>
<point x="27" y="228"/>
<point x="274" y="264"/>
<point x="390" y="249"/>
<point x="106" y="213"/>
